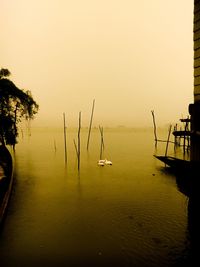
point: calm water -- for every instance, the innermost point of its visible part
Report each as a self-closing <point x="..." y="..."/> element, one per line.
<point x="129" y="214"/>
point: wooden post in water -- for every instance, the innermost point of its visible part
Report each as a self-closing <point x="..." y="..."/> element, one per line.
<point x="89" y="131"/>
<point x="170" y="127"/>
<point x="65" y="143"/>
<point x="188" y="137"/>
<point x="76" y="148"/>
<point x="175" y="138"/>
<point x="102" y="141"/>
<point x="184" y="137"/>
<point x="79" y="141"/>
<point x="154" y="124"/>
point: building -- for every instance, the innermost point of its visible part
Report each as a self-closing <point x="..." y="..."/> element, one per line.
<point x="194" y="109"/>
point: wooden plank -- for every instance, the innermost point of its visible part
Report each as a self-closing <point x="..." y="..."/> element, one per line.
<point x="196" y="81"/>
<point x="197" y="44"/>
<point x="185" y="120"/>
<point x="197" y="16"/>
<point x="196" y="35"/>
<point x="196" y="72"/>
<point x="196" y="6"/>
<point x="197" y="62"/>
<point x="197" y="89"/>
<point x="181" y="133"/>
<point x="196" y="93"/>
<point x="196" y="26"/>
<point x="196" y="53"/>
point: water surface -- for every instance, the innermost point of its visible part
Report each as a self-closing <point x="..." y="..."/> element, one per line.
<point x="129" y="214"/>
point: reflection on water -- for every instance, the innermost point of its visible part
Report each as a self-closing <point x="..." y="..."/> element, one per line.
<point x="127" y="214"/>
<point x="194" y="228"/>
<point x="190" y="185"/>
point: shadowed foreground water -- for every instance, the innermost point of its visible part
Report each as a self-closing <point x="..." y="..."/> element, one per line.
<point x="132" y="213"/>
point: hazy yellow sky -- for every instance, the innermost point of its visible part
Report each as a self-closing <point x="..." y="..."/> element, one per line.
<point x="132" y="56"/>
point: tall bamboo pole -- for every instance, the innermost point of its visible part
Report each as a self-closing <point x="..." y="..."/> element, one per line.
<point x="65" y="143"/>
<point x="170" y="127"/>
<point x="79" y="141"/>
<point x="90" y="124"/>
<point x="76" y="148"/>
<point x="102" y="141"/>
<point x="154" y="124"/>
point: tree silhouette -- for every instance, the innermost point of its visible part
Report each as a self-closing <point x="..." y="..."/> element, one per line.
<point x="15" y="104"/>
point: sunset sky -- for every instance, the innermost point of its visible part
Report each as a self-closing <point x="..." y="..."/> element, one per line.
<point x="131" y="56"/>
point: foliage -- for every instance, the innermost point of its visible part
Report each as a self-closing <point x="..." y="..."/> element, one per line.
<point x="15" y="104"/>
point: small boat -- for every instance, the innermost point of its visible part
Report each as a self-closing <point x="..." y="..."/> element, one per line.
<point x="179" y="165"/>
<point x="103" y="162"/>
<point x="6" y="179"/>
